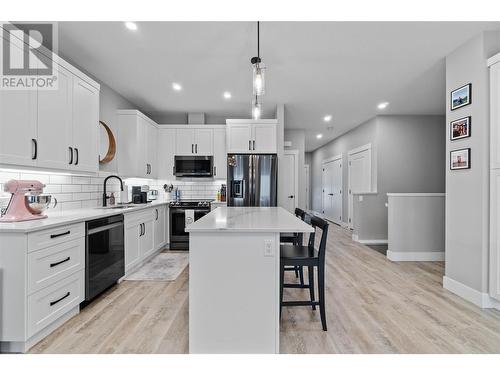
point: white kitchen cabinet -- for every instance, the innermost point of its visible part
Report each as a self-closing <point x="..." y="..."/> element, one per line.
<point x="160" y="226"/>
<point x="85" y="130"/>
<point x="136" y="144"/>
<point x="251" y="136"/>
<point x="147" y="244"/>
<point x="220" y="154"/>
<point x="54" y="126"/>
<point x="194" y="141"/>
<point x="133" y="232"/>
<point x="166" y="153"/>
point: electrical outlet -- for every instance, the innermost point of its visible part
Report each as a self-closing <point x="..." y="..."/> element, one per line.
<point x="268" y="248"/>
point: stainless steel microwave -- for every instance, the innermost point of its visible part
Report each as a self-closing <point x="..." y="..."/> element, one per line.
<point x="193" y="166"/>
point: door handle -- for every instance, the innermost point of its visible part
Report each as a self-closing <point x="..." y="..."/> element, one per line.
<point x="250" y="145"/>
<point x="144" y="231"/>
<point x="290" y="196"/>
<point x="173" y="170"/>
<point x="76" y="151"/>
<point x="215" y="170"/>
<point x="192" y="148"/>
<point x="254" y="145"/>
<point x="71" y="154"/>
<point x="35" y="151"/>
<point x="196" y="148"/>
<point x="330" y="193"/>
<point x="156" y="215"/>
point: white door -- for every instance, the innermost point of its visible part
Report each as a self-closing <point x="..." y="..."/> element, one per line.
<point x="85" y="126"/>
<point x="264" y="138"/>
<point x="288" y="187"/>
<point x="332" y="190"/>
<point x="55" y="124"/>
<point x="220" y="155"/>
<point x="184" y="141"/>
<point x="359" y="176"/>
<point x="239" y="138"/>
<point x="18" y="135"/>
<point x="308" y="186"/>
<point x="166" y="153"/>
<point x="203" y="142"/>
<point x="327" y="200"/>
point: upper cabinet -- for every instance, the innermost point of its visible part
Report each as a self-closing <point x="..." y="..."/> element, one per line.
<point x="137" y="145"/>
<point x="52" y="128"/>
<point x="251" y="137"/>
<point x="166" y="153"/>
<point x="194" y="141"/>
<point x="220" y="154"/>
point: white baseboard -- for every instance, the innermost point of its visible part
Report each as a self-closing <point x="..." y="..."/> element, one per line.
<point x="415" y="256"/>
<point x="355" y="238"/>
<point x="478" y="298"/>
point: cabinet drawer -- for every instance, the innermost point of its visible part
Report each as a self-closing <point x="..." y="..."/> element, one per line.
<point x="138" y="216"/>
<point x="54" y="236"/>
<point x="54" y="263"/>
<point x="49" y="304"/>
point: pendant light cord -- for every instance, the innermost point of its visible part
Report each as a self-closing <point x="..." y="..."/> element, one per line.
<point x="258" y="39"/>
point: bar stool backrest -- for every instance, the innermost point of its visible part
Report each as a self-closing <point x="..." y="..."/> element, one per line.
<point x="322" y="224"/>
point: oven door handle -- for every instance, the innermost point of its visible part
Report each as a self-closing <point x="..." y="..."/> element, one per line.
<point x="105" y="227"/>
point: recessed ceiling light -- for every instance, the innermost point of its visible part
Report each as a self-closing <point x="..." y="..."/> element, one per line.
<point x="131" y="25"/>
<point x="382" y="105"/>
<point x="176" y="86"/>
<point x="227" y="95"/>
<point x="327" y="118"/>
<point x="319" y="136"/>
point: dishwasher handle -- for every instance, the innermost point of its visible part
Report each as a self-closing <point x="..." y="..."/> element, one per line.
<point x="105" y="227"/>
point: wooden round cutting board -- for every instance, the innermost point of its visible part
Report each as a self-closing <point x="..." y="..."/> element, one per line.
<point x="108" y="144"/>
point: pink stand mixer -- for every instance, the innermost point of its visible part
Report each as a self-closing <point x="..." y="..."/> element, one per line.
<point x="27" y="201"/>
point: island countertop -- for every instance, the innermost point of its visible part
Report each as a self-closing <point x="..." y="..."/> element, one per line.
<point x="249" y="219"/>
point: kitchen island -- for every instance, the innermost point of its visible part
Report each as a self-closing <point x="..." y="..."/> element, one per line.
<point x="234" y="279"/>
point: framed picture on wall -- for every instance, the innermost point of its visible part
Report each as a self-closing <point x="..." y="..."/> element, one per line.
<point x="460" y="159"/>
<point x="461" y="97"/>
<point x="460" y="128"/>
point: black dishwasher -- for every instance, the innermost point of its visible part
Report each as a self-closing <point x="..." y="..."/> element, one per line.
<point x="104" y="254"/>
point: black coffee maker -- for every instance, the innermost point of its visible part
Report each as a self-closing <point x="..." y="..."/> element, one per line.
<point x="140" y="194"/>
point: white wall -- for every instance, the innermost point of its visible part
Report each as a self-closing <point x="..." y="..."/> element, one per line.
<point x="467" y="191"/>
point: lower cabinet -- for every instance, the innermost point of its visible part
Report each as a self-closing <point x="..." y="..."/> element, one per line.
<point x="160" y="224"/>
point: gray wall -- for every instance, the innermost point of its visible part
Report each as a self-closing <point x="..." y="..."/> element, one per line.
<point x="467" y="191"/>
<point x="361" y="135"/>
<point x="298" y="139"/>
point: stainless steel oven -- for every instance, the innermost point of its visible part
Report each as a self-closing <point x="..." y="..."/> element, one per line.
<point x="181" y="214"/>
<point x="105" y="254"/>
<point x="193" y="166"/>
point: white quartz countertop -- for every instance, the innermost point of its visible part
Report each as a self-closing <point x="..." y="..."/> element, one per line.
<point x="55" y="219"/>
<point x="416" y="194"/>
<point x="249" y="219"/>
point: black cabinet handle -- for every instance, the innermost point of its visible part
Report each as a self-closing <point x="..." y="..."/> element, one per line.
<point x="140" y="230"/>
<point x="254" y="145"/>
<point x="156" y="214"/>
<point x="215" y="170"/>
<point x="144" y="231"/>
<point x="250" y="145"/>
<point x="35" y="153"/>
<point x="60" y="299"/>
<point x="196" y="148"/>
<point x="192" y="148"/>
<point x="60" y="234"/>
<point x="71" y="154"/>
<point x="60" y="262"/>
<point x="173" y="170"/>
<point x="77" y="157"/>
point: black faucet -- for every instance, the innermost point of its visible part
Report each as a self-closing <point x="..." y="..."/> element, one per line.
<point x="104" y="195"/>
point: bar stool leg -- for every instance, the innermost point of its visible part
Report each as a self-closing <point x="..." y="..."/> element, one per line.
<point x="321" y="286"/>
<point x="301" y="273"/>
<point x="310" y="272"/>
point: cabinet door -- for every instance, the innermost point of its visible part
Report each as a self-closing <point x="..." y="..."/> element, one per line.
<point x="152" y="139"/>
<point x="204" y="142"/>
<point x="220" y="155"/>
<point x="239" y="137"/>
<point x="264" y="136"/>
<point x="166" y="153"/>
<point x="184" y="141"/>
<point x="132" y="239"/>
<point x="494" y="116"/>
<point x="147" y="239"/>
<point x="160" y="227"/>
<point x="142" y="152"/>
<point x="18" y="127"/>
<point x="85" y="126"/>
<point x="55" y="123"/>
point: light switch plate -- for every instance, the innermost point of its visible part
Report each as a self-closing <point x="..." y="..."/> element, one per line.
<point x="268" y="248"/>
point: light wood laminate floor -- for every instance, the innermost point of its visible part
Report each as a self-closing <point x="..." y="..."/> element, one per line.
<point x="373" y="306"/>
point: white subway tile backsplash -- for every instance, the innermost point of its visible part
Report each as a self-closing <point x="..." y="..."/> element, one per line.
<point x="43" y="178"/>
<point x="80" y="180"/>
<point x="50" y="188"/>
<point x="60" y="179"/>
<point x="71" y="205"/>
<point x="64" y="197"/>
<point x="81" y="196"/>
<point x="71" y="188"/>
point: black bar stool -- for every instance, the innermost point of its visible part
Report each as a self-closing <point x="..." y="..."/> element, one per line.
<point x="295" y="239"/>
<point x="306" y="256"/>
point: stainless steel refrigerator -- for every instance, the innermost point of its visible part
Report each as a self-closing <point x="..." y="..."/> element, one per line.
<point x="252" y="180"/>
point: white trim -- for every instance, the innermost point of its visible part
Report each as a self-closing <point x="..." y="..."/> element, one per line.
<point x="251" y="121"/>
<point x="192" y="126"/>
<point x="416" y="194"/>
<point x="356" y="150"/>
<point x="296" y="182"/>
<point x="333" y="158"/>
<point x="307" y="168"/>
<point x="415" y="256"/>
<point x="355" y="238"/>
<point x="493" y="59"/>
<point x="478" y="298"/>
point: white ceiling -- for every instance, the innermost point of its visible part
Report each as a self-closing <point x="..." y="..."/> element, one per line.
<point x="315" y="68"/>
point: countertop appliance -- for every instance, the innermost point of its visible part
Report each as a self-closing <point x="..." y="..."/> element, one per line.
<point x="193" y="166"/>
<point x="182" y="213"/>
<point x="104" y="254"/>
<point x="27" y="201"/>
<point x="252" y="179"/>
<point x="140" y="194"/>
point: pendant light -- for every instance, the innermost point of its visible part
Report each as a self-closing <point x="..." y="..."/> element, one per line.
<point x="256" y="107"/>
<point x="258" y="69"/>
